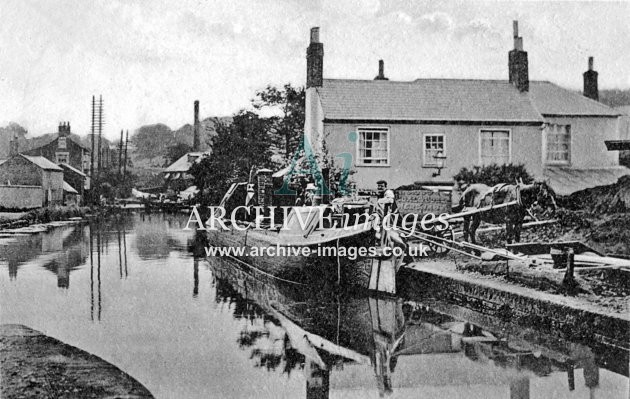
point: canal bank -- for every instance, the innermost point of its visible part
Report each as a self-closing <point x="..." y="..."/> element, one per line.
<point x="14" y="220"/>
<point x="33" y="364"/>
<point x="568" y="317"/>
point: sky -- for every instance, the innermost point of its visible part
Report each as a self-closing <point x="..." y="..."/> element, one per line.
<point x="151" y="59"/>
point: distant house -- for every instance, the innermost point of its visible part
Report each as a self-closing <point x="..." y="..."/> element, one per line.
<point x="75" y="180"/>
<point x="29" y="182"/>
<point x="63" y="148"/>
<point x="428" y="129"/>
<point x="177" y="174"/>
<point x="70" y="195"/>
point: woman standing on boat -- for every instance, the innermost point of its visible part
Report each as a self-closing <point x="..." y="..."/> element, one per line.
<point x="385" y="206"/>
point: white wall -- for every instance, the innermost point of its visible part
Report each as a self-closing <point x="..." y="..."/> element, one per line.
<point x="588" y="134"/>
<point x="461" y="144"/>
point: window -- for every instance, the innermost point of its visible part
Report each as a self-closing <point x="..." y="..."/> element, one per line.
<point x="373" y="146"/>
<point x="494" y="147"/>
<point x="61" y="143"/>
<point x="433" y="144"/>
<point x="62" y="157"/>
<point x="557" y="144"/>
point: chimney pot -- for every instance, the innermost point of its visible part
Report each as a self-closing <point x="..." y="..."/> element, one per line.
<point x="517" y="63"/>
<point x="591" y="89"/>
<point x="315" y="34"/>
<point x="13" y="146"/>
<point x="315" y="61"/>
<point x="381" y="71"/>
<point x="515" y="28"/>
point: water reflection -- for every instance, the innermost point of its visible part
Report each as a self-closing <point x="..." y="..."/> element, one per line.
<point x="407" y="346"/>
<point x="59" y="251"/>
<point x="64" y="250"/>
<point x="191" y="327"/>
<point x="153" y="241"/>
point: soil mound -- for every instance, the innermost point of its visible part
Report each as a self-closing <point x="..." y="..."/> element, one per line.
<point x="614" y="198"/>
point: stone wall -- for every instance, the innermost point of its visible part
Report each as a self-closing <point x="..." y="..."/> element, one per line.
<point x="21" y="197"/>
<point x="20" y="171"/>
<point x="566" y="321"/>
<point x="421" y="202"/>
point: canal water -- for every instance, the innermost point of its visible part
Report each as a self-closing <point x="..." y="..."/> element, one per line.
<point x="130" y="291"/>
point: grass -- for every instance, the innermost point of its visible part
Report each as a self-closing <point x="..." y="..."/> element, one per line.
<point x="45" y="215"/>
<point x="55" y="213"/>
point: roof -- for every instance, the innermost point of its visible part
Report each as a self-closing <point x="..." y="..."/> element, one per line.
<point x="452" y="100"/>
<point x="623" y="109"/>
<point x="75" y="170"/>
<point x="42" y="162"/>
<point x="40" y="141"/>
<point x="427" y="100"/>
<point x="184" y="163"/>
<point x="565" y="181"/>
<point x="551" y="99"/>
<point x="68" y="188"/>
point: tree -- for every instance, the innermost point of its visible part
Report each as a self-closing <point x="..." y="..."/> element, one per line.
<point x="153" y="140"/>
<point x="7" y="133"/>
<point x="236" y="148"/>
<point x="287" y="126"/>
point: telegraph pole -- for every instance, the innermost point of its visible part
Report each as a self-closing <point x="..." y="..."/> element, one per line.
<point x="126" y="143"/>
<point x="92" y="153"/>
<point x="125" y="164"/>
<point x="120" y="149"/>
<point x="100" y="154"/>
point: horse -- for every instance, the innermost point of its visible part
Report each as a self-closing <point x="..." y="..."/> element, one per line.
<point x="481" y="195"/>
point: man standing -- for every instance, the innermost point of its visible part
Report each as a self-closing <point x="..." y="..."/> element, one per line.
<point x="386" y="202"/>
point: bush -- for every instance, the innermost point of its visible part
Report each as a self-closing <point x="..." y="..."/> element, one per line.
<point x="494" y="174"/>
<point x="55" y="213"/>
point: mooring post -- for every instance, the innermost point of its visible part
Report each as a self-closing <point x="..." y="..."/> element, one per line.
<point x="571" y="375"/>
<point x="569" y="282"/>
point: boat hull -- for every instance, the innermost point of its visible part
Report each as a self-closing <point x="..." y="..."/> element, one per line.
<point x="288" y="261"/>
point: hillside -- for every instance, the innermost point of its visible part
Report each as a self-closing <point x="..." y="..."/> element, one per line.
<point x="151" y="142"/>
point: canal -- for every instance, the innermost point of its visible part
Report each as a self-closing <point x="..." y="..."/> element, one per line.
<point x="130" y="291"/>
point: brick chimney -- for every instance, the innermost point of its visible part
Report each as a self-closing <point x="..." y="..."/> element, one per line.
<point x="381" y="71"/>
<point x="315" y="61"/>
<point x="13" y="146"/>
<point x="517" y="63"/>
<point x="196" y="141"/>
<point x="64" y="129"/>
<point x="590" y="82"/>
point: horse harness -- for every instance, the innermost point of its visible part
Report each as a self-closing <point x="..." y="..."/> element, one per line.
<point x="497" y="188"/>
